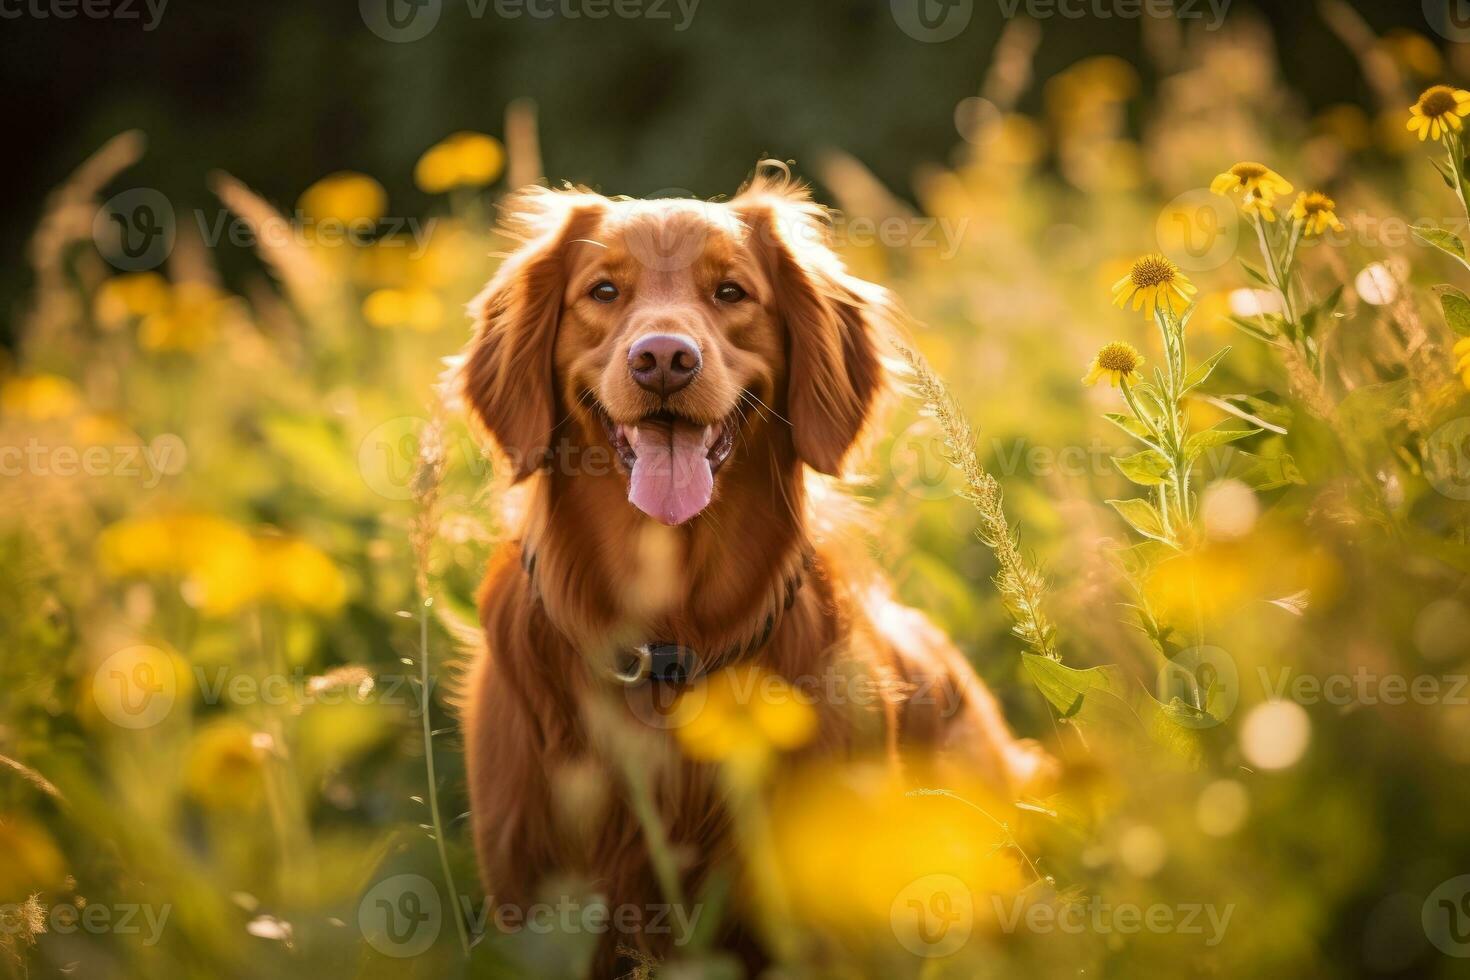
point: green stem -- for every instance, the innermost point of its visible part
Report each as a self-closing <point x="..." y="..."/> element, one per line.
<point x="1455" y="148"/>
<point x="425" y="703"/>
<point x="1158" y="434"/>
<point x="1176" y="364"/>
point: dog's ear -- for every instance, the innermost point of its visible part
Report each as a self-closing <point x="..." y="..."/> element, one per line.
<point x="506" y="376"/>
<point x="832" y="320"/>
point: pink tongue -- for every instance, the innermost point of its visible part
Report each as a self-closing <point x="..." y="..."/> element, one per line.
<point x="671" y="475"/>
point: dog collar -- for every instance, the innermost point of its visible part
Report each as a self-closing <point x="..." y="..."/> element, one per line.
<point x="666" y="663"/>
<point x="663" y="662"/>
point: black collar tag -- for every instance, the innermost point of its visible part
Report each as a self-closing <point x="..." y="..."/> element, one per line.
<point x="666" y="663"/>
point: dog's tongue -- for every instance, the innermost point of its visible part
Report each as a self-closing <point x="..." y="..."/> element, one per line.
<point x="671" y="479"/>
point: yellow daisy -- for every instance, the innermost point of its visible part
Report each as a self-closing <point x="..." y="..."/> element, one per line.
<point x="1153" y="282"/>
<point x="1118" y="362"/>
<point x="1462" y="359"/>
<point x="743" y="716"/>
<point x="1317" y="211"/>
<point x="1260" y="184"/>
<point x="462" y="159"/>
<point x="1438" y="111"/>
<point x="1255" y="203"/>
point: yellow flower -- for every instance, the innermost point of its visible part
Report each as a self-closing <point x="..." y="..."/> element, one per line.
<point x="298" y="575"/>
<point x="930" y="838"/>
<point x="223" y="771"/>
<point x="1317" y="211"/>
<point x="417" y="309"/>
<point x="1117" y="362"/>
<point x="1414" y="52"/>
<point x="1153" y="282"/>
<point x="461" y="160"/>
<point x="187" y="321"/>
<point x="1258" y="183"/>
<point x="1438" y="111"/>
<point x="133" y="295"/>
<point x="1265" y="563"/>
<point x="222" y="567"/>
<point x="1462" y="359"/>
<point x="344" y="197"/>
<point x="741" y="715"/>
<point x="39" y="397"/>
<point x="33" y="862"/>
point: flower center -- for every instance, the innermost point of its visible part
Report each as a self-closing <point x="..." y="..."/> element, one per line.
<point x="1316" y="203"/>
<point x="1437" y="101"/>
<point x="1248" y="171"/>
<point x="1152" y="270"/>
<point x="1117" y="357"/>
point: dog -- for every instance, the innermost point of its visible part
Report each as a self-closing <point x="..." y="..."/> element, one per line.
<point x="668" y="376"/>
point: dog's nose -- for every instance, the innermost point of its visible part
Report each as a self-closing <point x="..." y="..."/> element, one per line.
<point x="663" y="362"/>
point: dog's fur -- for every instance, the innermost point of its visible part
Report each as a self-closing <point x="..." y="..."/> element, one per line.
<point x="797" y="365"/>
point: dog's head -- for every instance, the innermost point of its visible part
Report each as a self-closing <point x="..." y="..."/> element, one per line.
<point x="683" y="337"/>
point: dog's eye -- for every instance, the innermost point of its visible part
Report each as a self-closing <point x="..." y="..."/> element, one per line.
<point x="729" y="292"/>
<point x="604" y="292"/>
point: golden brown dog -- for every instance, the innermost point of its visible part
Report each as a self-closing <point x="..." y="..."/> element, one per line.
<point x="668" y="372"/>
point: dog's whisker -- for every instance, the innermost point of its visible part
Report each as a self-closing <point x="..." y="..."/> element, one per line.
<point x="768" y="408"/>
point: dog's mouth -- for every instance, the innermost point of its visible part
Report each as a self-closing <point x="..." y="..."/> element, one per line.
<point x="671" y="461"/>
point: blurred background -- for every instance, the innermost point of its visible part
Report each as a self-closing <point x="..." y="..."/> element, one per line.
<point x="240" y="534"/>
<point x="281" y="93"/>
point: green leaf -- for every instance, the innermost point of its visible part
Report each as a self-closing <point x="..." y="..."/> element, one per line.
<point x="1456" y="306"/>
<point x="1211" y="438"/>
<point x="1322" y="310"/>
<point x="1267" y="472"/>
<point x="1067" y="687"/>
<point x="1201" y="372"/>
<point x="1097" y="696"/>
<point x="1142" y="517"/>
<point x="1256" y="274"/>
<point x="1444" y="173"/>
<point x="1445" y="241"/>
<point x="1130" y="425"/>
<point x="1148" y="468"/>
<point x="1257" y="411"/>
<point x="1176" y="725"/>
<point x="1265" y="328"/>
<point x="1101" y="698"/>
<point x="1139" y="559"/>
<point x="1148" y="395"/>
